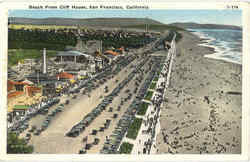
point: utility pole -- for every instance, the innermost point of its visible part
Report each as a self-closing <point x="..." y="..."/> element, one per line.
<point x="38" y="77"/>
<point x="101" y="47"/>
<point x="44" y="61"/>
<point x="147" y="25"/>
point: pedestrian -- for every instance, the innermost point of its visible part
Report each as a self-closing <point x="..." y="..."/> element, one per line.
<point x="144" y="150"/>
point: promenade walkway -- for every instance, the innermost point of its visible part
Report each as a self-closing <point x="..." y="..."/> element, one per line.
<point x="145" y="143"/>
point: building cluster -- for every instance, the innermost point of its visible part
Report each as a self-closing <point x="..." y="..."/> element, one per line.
<point x="34" y="80"/>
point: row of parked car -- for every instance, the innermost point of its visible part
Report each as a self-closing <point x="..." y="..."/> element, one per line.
<point x="45" y="109"/>
<point x="89" y="118"/>
<point x="37" y="131"/>
<point x="50" y="116"/>
<point x="149" y="79"/>
<point x="107" y="73"/>
<point x="22" y="125"/>
<point x="89" y="145"/>
<point x="111" y="145"/>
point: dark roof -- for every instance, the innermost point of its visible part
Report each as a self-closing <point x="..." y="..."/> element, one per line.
<point x="43" y="78"/>
<point x="35" y="75"/>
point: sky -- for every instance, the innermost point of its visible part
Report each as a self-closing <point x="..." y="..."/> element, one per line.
<point x="227" y="17"/>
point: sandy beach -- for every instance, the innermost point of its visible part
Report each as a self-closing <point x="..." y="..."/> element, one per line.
<point x="201" y="113"/>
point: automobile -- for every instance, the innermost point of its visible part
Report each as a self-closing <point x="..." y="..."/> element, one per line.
<point x="82" y="151"/>
<point x="117" y="132"/>
<point x="101" y="129"/>
<point x="27" y="138"/>
<point x="67" y="102"/>
<point x="50" y="115"/>
<point x="106" y="125"/>
<point x="127" y="91"/>
<point x="44" y="111"/>
<point x="81" y="127"/>
<point x="85" y="139"/>
<point x="108" y="120"/>
<point x="94" y="132"/>
<point x="110" y="109"/>
<point x="96" y="141"/>
<point x="71" y="134"/>
<point x="115" y="116"/>
<point x="59" y="110"/>
<point x="31" y="130"/>
<point x="88" y="146"/>
<point x="38" y="132"/>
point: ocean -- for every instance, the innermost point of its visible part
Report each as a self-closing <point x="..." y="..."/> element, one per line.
<point x="227" y="43"/>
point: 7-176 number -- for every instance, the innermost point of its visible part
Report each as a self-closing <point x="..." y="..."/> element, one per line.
<point x="232" y="7"/>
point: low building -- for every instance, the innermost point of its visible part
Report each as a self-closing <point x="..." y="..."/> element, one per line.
<point x="15" y="86"/>
<point x="64" y="76"/>
<point x="22" y="93"/>
<point x="99" y="63"/>
<point x="12" y="74"/>
<point x="20" y="110"/>
<point x="41" y="78"/>
<point x="111" y="52"/>
<point x="92" y="68"/>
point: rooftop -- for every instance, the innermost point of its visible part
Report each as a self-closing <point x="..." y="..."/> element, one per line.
<point x="15" y="94"/>
<point x="111" y="52"/>
<point x="65" y="75"/>
<point x="21" y="107"/>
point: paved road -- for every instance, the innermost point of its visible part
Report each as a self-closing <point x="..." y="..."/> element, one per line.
<point x="53" y="139"/>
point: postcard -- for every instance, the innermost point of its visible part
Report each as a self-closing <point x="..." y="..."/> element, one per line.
<point x="150" y="81"/>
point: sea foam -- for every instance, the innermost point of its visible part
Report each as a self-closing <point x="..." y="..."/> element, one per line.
<point x="227" y="46"/>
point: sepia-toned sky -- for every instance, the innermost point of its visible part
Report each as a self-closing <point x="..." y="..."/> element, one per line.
<point x="227" y="17"/>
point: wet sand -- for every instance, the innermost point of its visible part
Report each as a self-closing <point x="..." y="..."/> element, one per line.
<point x="199" y="116"/>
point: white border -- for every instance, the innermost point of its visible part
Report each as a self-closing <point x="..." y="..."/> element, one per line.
<point x="13" y="4"/>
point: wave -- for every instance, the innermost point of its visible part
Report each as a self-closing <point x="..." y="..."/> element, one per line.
<point x="226" y="49"/>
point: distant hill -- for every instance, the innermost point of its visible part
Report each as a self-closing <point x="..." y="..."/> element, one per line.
<point x="104" y="22"/>
<point x="191" y="25"/>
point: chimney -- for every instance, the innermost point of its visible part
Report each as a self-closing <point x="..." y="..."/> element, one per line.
<point x="44" y="61"/>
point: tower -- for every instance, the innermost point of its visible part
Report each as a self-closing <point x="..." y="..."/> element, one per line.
<point x="44" y="61"/>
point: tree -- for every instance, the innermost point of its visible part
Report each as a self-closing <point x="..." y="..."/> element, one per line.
<point x="16" y="145"/>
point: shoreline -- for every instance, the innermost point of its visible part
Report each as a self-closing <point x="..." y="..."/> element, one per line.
<point x="199" y="116"/>
<point x="217" y="53"/>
